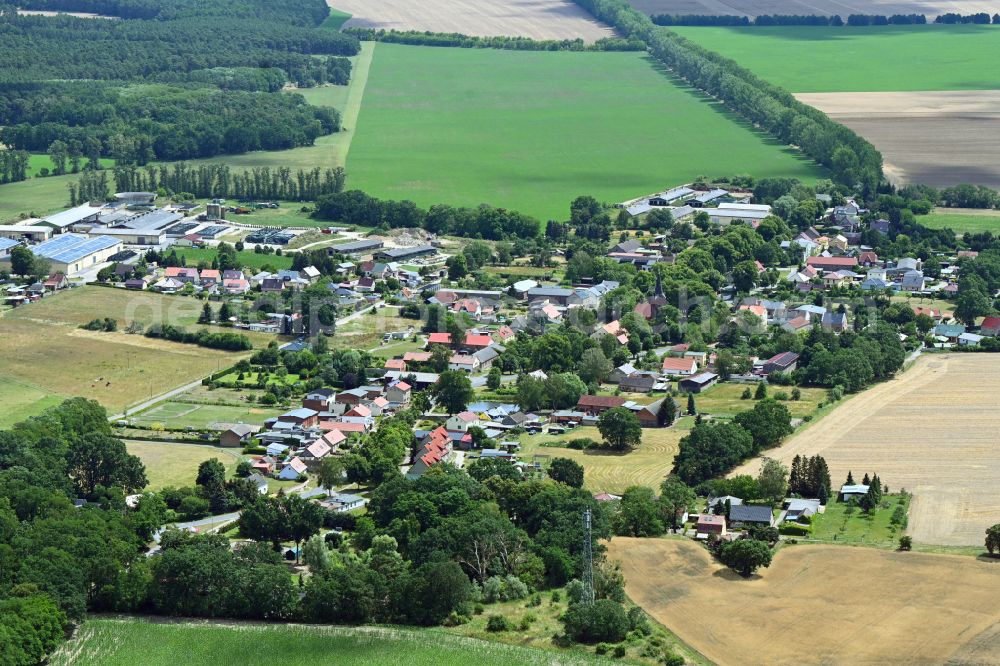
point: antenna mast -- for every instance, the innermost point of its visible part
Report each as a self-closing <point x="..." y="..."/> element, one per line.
<point x="588" y="561"/>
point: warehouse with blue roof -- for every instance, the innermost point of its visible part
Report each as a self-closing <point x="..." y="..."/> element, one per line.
<point x="71" y="254"/>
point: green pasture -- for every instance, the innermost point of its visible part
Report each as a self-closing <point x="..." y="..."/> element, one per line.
<point x="39" y="161"/>
<point x="533" y="130"/>
<point x="960" y="222"/>
<point x="198" y="416"/>
<point x="864" y="59"/>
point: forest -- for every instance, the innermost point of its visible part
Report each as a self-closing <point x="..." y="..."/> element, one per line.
<point x="169" y="81"/>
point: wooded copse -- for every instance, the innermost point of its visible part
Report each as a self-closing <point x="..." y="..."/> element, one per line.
<point x="852" y="160"/>
<point x="176" y="81"/>
<point x="218" y="180"/>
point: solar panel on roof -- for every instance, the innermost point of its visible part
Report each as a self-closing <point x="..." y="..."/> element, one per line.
<point x="72" y="247"/>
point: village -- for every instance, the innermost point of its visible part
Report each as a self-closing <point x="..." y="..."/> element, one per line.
<point x="424" y="316"/>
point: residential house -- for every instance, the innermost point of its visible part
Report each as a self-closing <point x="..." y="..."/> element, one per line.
<point x="394" y="364"/>
<point x="461" y="422"/>
<point x="796" y="509"/>
<point x="210" y="276"/>
<point x="319" y="400"/>
<point x="352" y="396"/>
<point x="648" y="415"/>
<point x="913" y="281"/>
<point x="259" y="482"/>
<point x="475" y="341"/>
<point x="710" y="524"/>
<point x="990" y="326"/>
<point x="949" y="332"/>
<point x="595" y="405"/>
<point x="398" y="392"/>
<point x="679" y="366"/>
<point x="486" y="356"/>
<point x="293" y="469"/>
<point x="439" y="339"/>
<point x="56" y="281"/>
<point x="558" y="295"/>
<point x="835" y="321"/>
<point x="463" y="362"/>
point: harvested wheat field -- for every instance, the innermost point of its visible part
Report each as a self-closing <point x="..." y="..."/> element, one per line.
<point x="819" y="604"/>
<point x="843" y="8"/>
<point x="932" y="430"/>
<point x="936" y="138"/>
<point x="538" y="19"/>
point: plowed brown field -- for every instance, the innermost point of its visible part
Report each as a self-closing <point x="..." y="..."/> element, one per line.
<point x="819" y="604"/>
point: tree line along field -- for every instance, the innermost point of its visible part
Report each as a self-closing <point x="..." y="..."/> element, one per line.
<point x="45" y="349"/>
<point x="862" y="59"/>
<point x="843" y="8"/>
<point x="126" y="642"/>
<point x="533" y="130"/>
<point x="819" y="604"/>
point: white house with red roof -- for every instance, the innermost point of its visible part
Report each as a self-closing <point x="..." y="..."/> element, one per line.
<point x="681" y="367"/>
<point x="461" y="422"/>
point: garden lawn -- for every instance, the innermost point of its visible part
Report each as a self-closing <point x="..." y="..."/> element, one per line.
<point x="170" y="464"/>
<point x="103" y="642"/>
<point x="841" y="523"/>
<point x="533" y="130"/>
<point x="962" y="220"/>
<point x="213" y="417"/>
<point x="726" y="400"/>
<point x="874" y="59"/>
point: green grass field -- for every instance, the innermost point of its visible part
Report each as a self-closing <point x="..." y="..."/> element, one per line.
<point x="35" y="197"/>
<point x="533" y="130"/>
<point x="21" y="400"/>
<point x="250" y="260"/>
<point x="876" y="59"/>
<point x="336" y="19"/>
<point x="842" y="524"/>
<point x="105" y="642"/>
<point x="170" y="464"/>
<point x="726" y="399"/>
<point x="962" y="220"/>
<point x="183" y="414"/>
<point x="39" y="161"/>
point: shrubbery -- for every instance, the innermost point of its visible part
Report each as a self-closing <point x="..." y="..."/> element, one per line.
<point x="604" y="620"/>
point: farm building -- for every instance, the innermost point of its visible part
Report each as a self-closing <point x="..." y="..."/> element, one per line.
<point x="706" y="198"/>
<point x="238" y="435"/>
<point x="595" y="405"/>
<point x="406" y="253"/>
<point x="750" y="514"/>
<point x="71" y="254"/>
<point x="990" y="326"/>
<point x="832" y="263"/>
<point x="358" y="247"/>
<point x="698" y="383"/>
<point x="62" y="221"/>
<point x="149" y="228"/>
<point x="6" y="245"/>
<point x="783" y="362"/>
<point x="25" y="232"/>
<point x="727" y="213"/>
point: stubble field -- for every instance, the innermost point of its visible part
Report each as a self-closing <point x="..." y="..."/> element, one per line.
<point x="819" y="604"/>
<point x="932" y="431"/>
<point x="538" y="19"/>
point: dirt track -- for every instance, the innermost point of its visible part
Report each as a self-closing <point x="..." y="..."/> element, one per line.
<point x="933" y="430"/>
<point x="538" y="19"/>
<point x="843" y="8"/>
<point x="936" y="138"/>
<point x="819" y="604"/>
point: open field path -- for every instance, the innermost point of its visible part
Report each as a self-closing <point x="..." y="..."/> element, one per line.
<point x="819" y="604"/>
